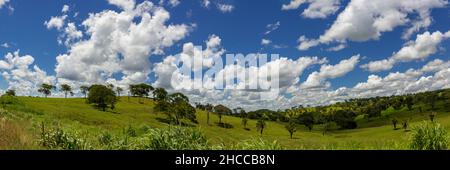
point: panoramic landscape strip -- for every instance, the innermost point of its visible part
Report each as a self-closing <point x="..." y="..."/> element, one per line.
<point x="224" y="75"/>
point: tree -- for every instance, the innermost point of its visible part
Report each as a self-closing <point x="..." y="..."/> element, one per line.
<point x="180" y="109"/>
<point x="140" y="90"/>
<point x="374" y="110"/>
<point x="394" y="123"/>
<point x="260" y="125"/>
<point x="345" y="119"/>
<point x="11" y="92"/>
<point x="244" y="118"/>
<point x="209" y="108"/>
<point x="66" y="89"/>
<point x="409" y="102"/>
<point x="102" y="96"/>
<point x="221" y="110"/>
<point x="431" y="100"/>
<point x="84" y="90"/>
<point x="244" y="122"/>
<point x="119" y="90"/>
<point x="405" y="125"/>
<point x="46" y="89"/>
<point x="397" y="104"/>
<point x="160" y="94"/>
<point x="291" y="127"/>
<point x="328" y="126"/>
<point x="432" y="115"/>
<point x="307" y="119"/>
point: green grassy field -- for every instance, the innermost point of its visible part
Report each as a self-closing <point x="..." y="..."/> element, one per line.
<point x="90" y="122"/>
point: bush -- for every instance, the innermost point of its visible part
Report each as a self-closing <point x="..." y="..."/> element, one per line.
<point x="429" y="136"/>
<point x="8" y="100"/>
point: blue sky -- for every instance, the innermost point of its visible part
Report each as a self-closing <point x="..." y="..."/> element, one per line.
<point x="241" y="30"/>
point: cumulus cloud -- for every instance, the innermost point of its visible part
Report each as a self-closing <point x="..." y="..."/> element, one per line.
<point x="364" y="20"/>
<point x="56" y="22"/>
<point x="123" y="4"/>
<point x="316" y="8"/>
<point x="119" y="43"/>
<point x="426" y="44"/>
<point x="435" y="65"/>
<point x="318" y="79"/>
<point x="22" y="75"/>
<point x="170" y="76"/>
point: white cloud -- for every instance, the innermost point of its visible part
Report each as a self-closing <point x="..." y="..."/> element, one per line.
<point x="3" y="2"/>
<point x="426" y="44"/>
<point x="206" y="3"/>
<point x="364" y="20"/>
<point x="316" y="8"/>
<point x="337" y="48"/>
<point x="317" y="79"/>
<point x="172" y="3"/>
<point x="119" y="43"/>
<point x="265" y="42"/>
<point x="56" y="22"/>
<point x="436" y="65"/>
<point x="22" y="75"/>
<point x="5" y="45"/>
<point x="71" y="34"/>
<point x="376" y="66"/>
<point x="123" y="4"/>
<point x="225" y="7"/>
<point x="65" y="9"/>
<point x="272" y="27"/>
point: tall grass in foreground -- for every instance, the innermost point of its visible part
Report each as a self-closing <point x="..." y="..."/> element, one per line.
<point x="429" y="136"/>
<point x="13" y="136"/>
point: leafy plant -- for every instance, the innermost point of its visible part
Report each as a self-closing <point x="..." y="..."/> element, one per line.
<point x="57" y="138"/>
<point x="173" y="138"/>
<point x="258" y="144"/>
<point x="429" y="136"/>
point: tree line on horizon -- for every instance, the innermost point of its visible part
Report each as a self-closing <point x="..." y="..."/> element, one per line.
<point x="342" y="115"/>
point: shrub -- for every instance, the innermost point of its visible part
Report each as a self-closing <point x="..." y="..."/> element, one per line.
<point x="8" y="100"/>
<point x="429" y="136"/>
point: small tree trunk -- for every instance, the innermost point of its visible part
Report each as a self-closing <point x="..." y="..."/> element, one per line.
<point x="207" y="118"/>
<point x="291" y="135"/>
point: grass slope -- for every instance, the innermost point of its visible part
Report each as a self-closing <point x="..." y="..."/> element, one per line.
<point x="76" y="114"/>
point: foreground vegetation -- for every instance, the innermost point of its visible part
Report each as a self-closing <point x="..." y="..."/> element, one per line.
<point x="142" y="123"/>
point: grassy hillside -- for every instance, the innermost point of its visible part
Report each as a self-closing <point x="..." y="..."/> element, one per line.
<point x="27" y="115"/>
